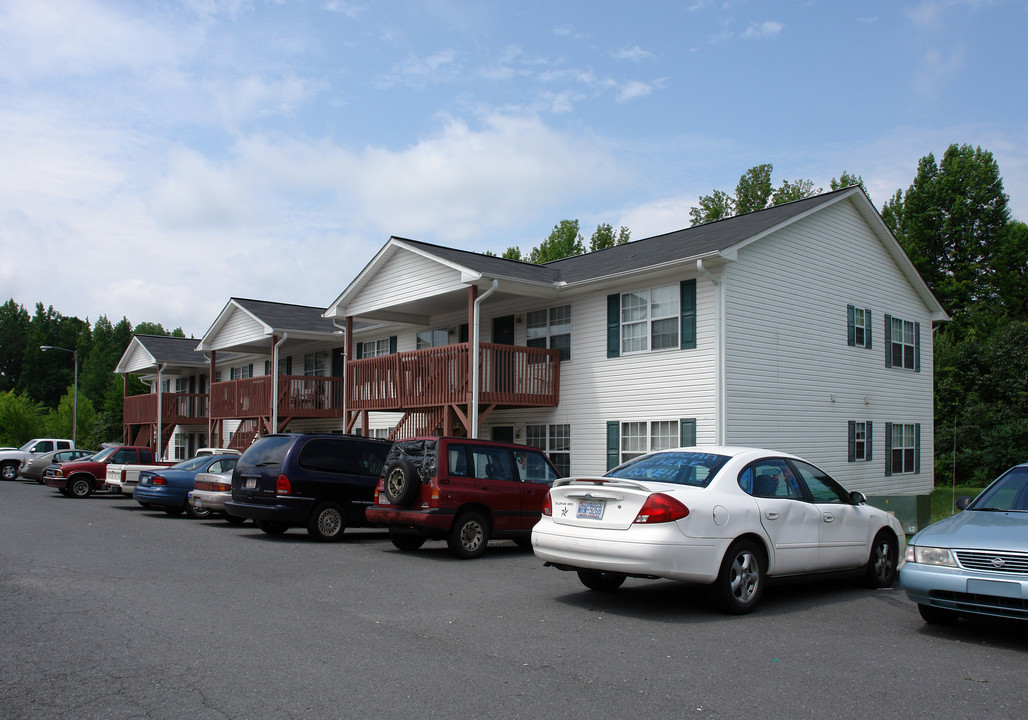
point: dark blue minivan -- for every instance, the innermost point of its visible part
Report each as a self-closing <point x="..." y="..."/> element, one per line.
<point x="319" y="481"/>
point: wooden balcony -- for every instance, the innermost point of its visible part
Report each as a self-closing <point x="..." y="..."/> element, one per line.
<point x="509" y="376"/>
<point x="176" y="409"/>
<point x="298" y="397"/>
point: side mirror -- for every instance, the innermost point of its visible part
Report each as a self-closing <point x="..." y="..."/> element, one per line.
<point x="857" y="498"/>
<point x="963" y="501"/>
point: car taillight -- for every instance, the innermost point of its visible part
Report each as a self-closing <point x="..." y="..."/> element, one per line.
<point x="221" y="487"/>
<point x="282" y="485"/>
<point x="158" y="480"/>
<point x="547" y="505"/>
<point x="660" y="508"/>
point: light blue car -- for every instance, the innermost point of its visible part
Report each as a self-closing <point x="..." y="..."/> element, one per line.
<point x="975" y="562"/>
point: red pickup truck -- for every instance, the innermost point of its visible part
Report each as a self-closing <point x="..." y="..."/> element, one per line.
<point x="83" y="477"/>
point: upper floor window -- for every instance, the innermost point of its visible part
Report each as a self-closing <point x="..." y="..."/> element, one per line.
<point x="550" y="328"/>
<point x="902" y="344"/>
<point x="858" y="326"/>
<point x="373" y="348"/>
<point x="432" y="338"/>
<point x="649" y="319"/>
<point x="314" y="364"/>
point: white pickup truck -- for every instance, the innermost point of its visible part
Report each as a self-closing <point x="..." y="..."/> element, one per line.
<point x="10" y="460"/>
<point x="124" y="478"/>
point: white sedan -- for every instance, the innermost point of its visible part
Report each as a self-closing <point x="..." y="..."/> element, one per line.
<point x="726" y="517"/>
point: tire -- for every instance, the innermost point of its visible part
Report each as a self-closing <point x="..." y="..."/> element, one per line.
<point x="601" y="581"/>
<point x="401" y="483"/>
<point x="881" y="565"/>
<point x="9" y="471"/>
<point x="234" y="519"/>
<point x="271" y="528"/>
<point x="408" y="542"/>
<point x="468" y="536"/>
<point x="80" y="486"/>
<point x="740" y="583"/>
<point x="197" y="514"/>
<point x="937" y="616"/>
<point x="327" y="523"/>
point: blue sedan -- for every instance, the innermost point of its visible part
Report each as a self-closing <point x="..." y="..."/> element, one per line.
<point x="976" y="562"/>
<point x="168" y="488"/>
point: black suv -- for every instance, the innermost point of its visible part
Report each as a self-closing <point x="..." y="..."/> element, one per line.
<point x="321" y="482"/>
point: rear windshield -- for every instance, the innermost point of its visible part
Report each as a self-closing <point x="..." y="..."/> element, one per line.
<point x="679" y="468"/>
<point x="268" y="451"/>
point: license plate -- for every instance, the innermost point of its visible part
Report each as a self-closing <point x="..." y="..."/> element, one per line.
<point x="197" y="504"/>
<point x="590" y="509"/>
<point x="251" y="483"/>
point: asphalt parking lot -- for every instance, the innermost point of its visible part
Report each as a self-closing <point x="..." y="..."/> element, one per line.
<point x="108" y="610"/>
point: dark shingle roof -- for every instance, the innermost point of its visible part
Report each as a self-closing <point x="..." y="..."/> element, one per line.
<point x="281" y="316"/>
<point x="692" y="242"/>
<point x="172" y="350"/>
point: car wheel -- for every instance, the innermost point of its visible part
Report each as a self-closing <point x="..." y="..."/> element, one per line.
<point x="468" y="536"/>
<point x="881" y="566"/>
<point x="9" y="471"/>
<point x="401" y="483"/>
<point x="408" y="542"/>
<point x="271" y="528"/>
<point x="80" y="487"/>
<point x="936" y="616"/>
<point x="197" y="513"/>
<point x="601" y="581"/>
<point x="234" y="519"/>
<point x="740" y="583"/>
<point x="327" y="522"/>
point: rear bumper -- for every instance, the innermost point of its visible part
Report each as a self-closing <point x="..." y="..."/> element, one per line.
<point x="292" y="511"/>
<point x="158" y="496"/>
<point x="432" y="522"/>
<point x="209" y="500"/>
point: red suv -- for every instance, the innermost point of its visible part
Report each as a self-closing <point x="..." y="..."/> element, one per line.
<point x="462" y="490"/>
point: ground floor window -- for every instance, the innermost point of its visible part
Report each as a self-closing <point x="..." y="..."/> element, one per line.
<point x="555" y="441"/>
<point x="627" y="440"/>
<point x="859" y="441"/>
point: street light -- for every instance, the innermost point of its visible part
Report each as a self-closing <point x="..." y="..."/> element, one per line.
<point x="75" y="410"/>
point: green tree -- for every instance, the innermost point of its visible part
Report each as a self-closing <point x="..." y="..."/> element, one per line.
<point x="716" y="206"/>
<point x="512" y="253"/>
<point x="605" y="237"/>
<point x="846" y="180"/>
<point x="58" y="422"/>
<point x="754" y="189"/>
<point x="1010" y="270"/>
<point x="564" y="241"/>
<point x="14" y="334"/>
<point x="795" y="190"/>
<point x="21" y="418"/>
<point x="47" y="374"/>
<point x="950" y="221"/>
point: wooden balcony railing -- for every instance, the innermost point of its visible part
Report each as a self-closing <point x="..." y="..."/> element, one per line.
<point x="176" y="409"/>
<point x="509" y="375"/>
<point x="298" y="396"/>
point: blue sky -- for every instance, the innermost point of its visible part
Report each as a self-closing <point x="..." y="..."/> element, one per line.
<point x="161" y="157"/>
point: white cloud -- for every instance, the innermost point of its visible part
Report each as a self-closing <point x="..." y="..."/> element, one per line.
<point x="633" y="53"/>
<point x="633" y="90"/>
<point x="766" y="29"/>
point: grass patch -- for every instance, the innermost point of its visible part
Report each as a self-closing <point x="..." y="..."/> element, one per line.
<point x="943" y="496"/>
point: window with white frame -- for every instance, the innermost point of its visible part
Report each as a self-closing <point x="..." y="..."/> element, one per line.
<point x="859" y="441"/>
<point x="903" y="448"/>
<point x="638" y="438"/>
<point x="902" y="344"/>
<point x="374" y="348"/>
<point x="240" y="373"/>
<point x="314" y="364"/>
<point x="550" y="328"/>
<point x="858" y="326"/>
<point x="180" y="446"/>
<point x="555" y="441"/>
<point x="432" y="338"/>
<point x="650" y="319"/>
<point x="181" y="385"/>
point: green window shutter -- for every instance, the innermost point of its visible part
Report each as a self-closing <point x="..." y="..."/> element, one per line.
<point x="613" y="444"/>
<point x="917" y="447"/>
<point x="289" y="364"/>
<point x="867" y="328"/>
<point x="917" y="347"/>
<point x="869" y="438"/>
<point x="614" y="325"/>
<point x="360" y="351"/>
<point x="392" y="344"/>
<point x="687" y="290"/>
<point x="852" y="440"/>
<point x="851" y="327"/>
<point x="888" y="449"/>
<point x="888" y="344"/>
<point x="687" y="432"/>
<point x="267" y="367"/>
